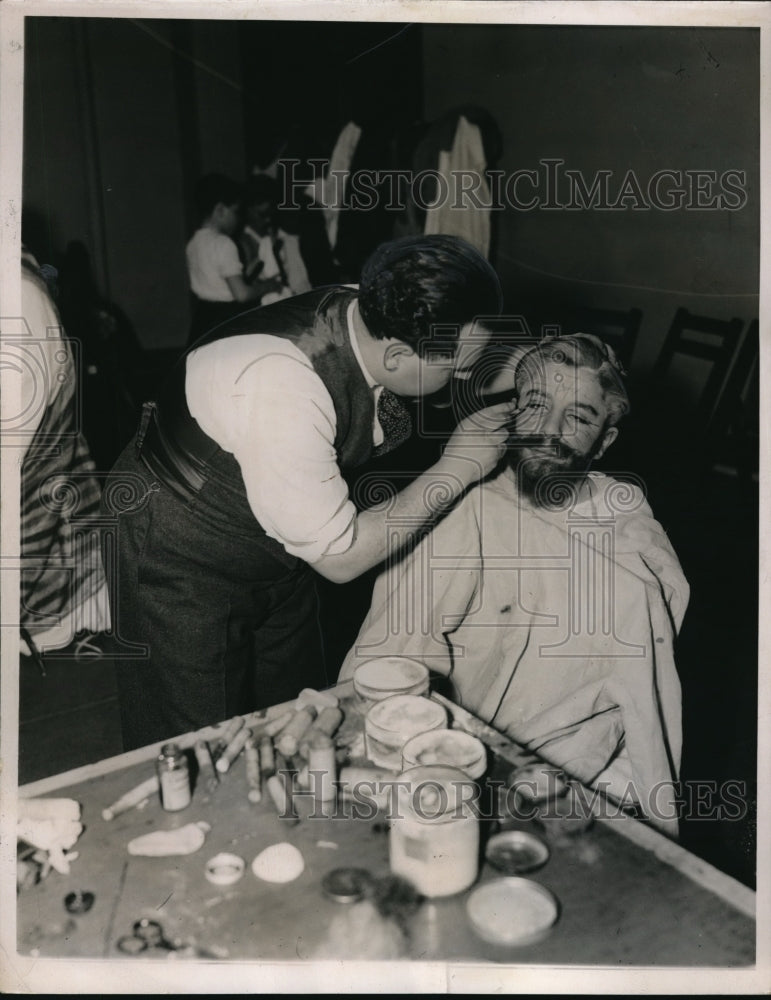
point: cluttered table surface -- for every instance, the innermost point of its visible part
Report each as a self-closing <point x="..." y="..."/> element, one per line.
<point x="248" y="871"/>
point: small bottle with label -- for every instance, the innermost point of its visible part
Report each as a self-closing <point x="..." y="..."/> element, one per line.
<point x="173" y="778"/>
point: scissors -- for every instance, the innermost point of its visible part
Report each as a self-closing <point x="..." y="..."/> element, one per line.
<point x="147" y="935"/>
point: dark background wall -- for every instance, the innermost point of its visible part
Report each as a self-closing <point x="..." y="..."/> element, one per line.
<point x="121" y="117"/>
<point x="607" y="98"/>
<point x="118" y="124"/>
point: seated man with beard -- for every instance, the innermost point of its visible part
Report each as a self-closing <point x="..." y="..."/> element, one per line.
<point x="549" y="597"/>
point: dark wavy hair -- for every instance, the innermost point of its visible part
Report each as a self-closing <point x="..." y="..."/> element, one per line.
<point x="213" y="189"/>
<point x="260" y="188"/>
<point x="422" y="288"/>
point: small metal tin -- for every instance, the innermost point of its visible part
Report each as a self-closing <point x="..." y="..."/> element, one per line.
<point x="78" y="902"/>
<point x="515" y="852"/>
<point x="346" y="885"/>
<point x="512" y="912"/>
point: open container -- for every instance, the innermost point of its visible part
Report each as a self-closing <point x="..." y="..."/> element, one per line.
<point x="451" y="747"/>
<point x="388" y="676"/>
<point x="390" y="723"/>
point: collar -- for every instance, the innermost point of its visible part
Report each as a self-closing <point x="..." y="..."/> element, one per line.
<point x="255" y="235"/>
<point x="371" y="382"/>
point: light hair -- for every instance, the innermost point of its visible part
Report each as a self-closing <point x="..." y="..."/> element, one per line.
<point x="582" y="350"/>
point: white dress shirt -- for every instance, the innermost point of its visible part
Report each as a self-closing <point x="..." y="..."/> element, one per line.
<point x="260" y="399"/>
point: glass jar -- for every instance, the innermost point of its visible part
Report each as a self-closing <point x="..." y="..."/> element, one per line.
<point x="390" y="723"/>
<point x="450" y="747"/>
<point x="387" y="676"/>
<point x="434" y="835"/>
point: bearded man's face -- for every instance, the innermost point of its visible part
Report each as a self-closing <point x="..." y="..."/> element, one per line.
<point x="560" y="429"/>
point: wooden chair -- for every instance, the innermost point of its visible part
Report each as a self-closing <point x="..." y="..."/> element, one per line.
<point x="719" y="349"/>
<point x="732" y="433"/>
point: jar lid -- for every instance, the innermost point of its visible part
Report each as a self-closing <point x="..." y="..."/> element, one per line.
<point x="512" y="911"/>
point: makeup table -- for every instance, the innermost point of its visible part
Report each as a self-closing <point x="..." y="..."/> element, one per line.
<point x="627" y="895"/>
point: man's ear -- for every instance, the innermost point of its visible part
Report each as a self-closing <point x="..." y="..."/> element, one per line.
<point x="608" y="438"/>
<point x="396" y="352"/>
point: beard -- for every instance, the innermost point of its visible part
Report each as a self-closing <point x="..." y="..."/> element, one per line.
<point x="549" y="473"/>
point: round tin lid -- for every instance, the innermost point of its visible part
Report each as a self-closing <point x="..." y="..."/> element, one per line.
<point x="515" y="852"/>
<point x="346" y="885"/>
<point x="512" y="911"/>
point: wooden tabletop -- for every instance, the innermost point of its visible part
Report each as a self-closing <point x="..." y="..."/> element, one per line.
<point x="627" y="896"/>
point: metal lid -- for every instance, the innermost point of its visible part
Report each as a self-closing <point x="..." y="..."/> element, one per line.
<point x="346" y="885"/>
<point x="515" y="852"/>
<point x="512" y="911"/>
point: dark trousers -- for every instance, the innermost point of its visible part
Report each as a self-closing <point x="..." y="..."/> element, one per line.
<point x="228" y="620"/>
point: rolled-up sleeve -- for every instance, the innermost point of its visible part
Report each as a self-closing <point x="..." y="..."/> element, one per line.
<point x="288" y="460"/>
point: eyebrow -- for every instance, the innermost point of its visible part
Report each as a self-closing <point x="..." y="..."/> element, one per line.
<point x="581" y="406"/>
<point x="587" y="406"/>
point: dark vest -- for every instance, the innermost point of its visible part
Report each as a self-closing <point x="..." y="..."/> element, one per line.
<point x="176" y="450"/>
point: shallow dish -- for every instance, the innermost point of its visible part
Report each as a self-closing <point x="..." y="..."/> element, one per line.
<point x="515" y="852"/>
<point x="512" y="911"/>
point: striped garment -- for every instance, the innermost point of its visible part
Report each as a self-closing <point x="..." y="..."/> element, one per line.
<point x="60" y="546"/>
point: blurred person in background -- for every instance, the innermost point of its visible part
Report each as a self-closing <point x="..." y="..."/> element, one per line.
<point x="217" y="281"/>
<point x="267" y="250"/>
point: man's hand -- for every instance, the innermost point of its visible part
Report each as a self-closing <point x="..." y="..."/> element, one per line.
<point x="475" y="448"/>
<point x="265" y="285"/>
<point x="253" y="268"/>
<point x="478" y="443"/>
